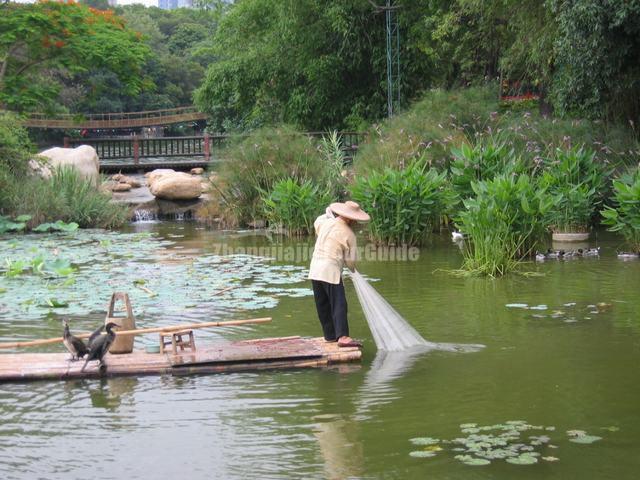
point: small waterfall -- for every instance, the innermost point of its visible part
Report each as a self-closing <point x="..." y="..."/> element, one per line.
<point x="145" y="216"/>
<point x="152" y="216"/>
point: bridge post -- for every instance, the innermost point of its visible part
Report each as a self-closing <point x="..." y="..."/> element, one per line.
<point x="136" y="149"/>
<point x="207" y="150"/>
<point x="65" y="142"/>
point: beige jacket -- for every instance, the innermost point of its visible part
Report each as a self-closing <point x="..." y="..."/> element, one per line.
<point x="335" y="247"/>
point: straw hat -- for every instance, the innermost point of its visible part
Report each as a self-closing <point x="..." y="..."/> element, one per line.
<point x="350" y="210"/>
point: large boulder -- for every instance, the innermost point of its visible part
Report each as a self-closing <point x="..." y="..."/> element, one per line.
<point x="84" y="159"/>
<point x="172" y="185"/>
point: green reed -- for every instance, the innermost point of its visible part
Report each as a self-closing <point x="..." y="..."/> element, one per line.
<point x="292" y="206"/>
<point x="624" y="216"/>
<point x="405" y="205"/>
<point x="504" y="223"/>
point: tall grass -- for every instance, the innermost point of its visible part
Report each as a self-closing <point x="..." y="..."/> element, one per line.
<point x="65" y="197"/>
<point x="504" y="222"/>
<point x="292" y="207"/>
<point x="257" y="162"/>
<point x="405" y="205"/>
<point x="579" y="182"/>
<point x="445" y="119"/>
<point x="624" y="216"/>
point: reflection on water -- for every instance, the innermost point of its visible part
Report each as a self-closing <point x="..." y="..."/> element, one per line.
<point x="354" y="420"/>
<point x="340" y="446"/>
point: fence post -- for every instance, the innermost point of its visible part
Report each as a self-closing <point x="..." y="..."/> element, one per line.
<point x="207" y="151"/>
<point x="136" y="149"/>
<point x="65" y="142"/>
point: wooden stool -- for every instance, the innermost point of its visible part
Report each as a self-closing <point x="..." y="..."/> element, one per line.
<point x="177" y="340"/>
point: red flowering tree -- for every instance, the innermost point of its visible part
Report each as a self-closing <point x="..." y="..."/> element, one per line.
<point x="40" y="40"/>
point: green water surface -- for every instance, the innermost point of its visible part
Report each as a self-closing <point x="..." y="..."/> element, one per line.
<point x="568" y="363"/>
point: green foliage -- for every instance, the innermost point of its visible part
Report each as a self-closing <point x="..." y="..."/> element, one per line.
<point x="66" y="199"/>
<point x="13" y="225"/>
<point x="15" y="145"/>
<point x="483" y="161"/>
<point x="428" y="130"/>
<point x="294" y="206"/>
<point x="624" y="216"/>
<point x="257" y="162"/>
<point x="597" y="48"/>
<point x="309" y="63"/>
<point x="39" y="39"/>
<point x="445" y="119"/>
<point x="504" y="222"/>
<point x="578" y="182"/>
<point x="405" y="205"/>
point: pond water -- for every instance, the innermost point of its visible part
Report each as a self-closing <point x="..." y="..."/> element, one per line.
<point x="561" y="354"/>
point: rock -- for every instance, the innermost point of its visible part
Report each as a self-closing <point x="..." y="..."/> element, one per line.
<point x="120" y="187"/>
<point x="174" y="185"/>
<point x="156" y="174"/>
<point x="197" y="171"/>
<point x="84" y="159"/>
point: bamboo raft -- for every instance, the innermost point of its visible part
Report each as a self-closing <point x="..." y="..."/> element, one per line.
<point x="267" y="353"/>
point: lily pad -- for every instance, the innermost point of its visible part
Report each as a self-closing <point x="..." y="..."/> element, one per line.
<point x="585" y="439"/>
<point x="524" y="459"/>
<point x="422" y="454"/>
<point x="550" y="459"/>
<point x="424" y="441"/>
<point x="472" y="461"/>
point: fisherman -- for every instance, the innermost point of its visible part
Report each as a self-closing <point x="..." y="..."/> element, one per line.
<point x="335" y="246"/>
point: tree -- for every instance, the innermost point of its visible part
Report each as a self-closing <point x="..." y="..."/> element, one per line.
<point x="598" y="46"/>
<point x="36" y="39"/>
<point x="312" y="63"/>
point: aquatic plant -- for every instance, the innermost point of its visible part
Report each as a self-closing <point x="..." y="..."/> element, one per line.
<point x="292" y="206"/>
<point x="624" y="215"/>
<point x="64" y="199"/>
<point x="484" y="444"/>
<point x="17" y="224"/>
<point x="578" y="181"/>
<point x="81" y="270"/>
<point x="504" y="222"/>
<point x="481" y="161"/>
<point x="406" y="205"/>
<point x="255" y="163"/>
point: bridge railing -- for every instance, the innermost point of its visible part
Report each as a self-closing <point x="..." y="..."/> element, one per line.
<point x="76" y="117"/>
<point x="135" y="147"/>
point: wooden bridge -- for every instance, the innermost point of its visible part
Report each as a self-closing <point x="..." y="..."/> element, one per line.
<point x="147" y="153"/>
<point x="150" y="118"/>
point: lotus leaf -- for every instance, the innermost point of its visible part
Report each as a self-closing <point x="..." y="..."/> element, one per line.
<point x="550" y="459"/>
<point x="422" y="454"/>
<point x="424" y="441"/>
<point x="472" y="461"/>
<point x="522" y="460"/>
<point x="468" y="425"/>
<point x="585" y="439"/>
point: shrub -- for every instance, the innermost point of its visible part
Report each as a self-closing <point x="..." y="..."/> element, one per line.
<point x="578" y="181"/>
<point x="294" y="206"/>
<point x="257" y="162"/>
<point x="504" y="222"/>
<point x="15" y="145"/>
<point x="624" y="216"/>
<point x="65" y="197"/>
<point x="483" y="161"/>
<point x="405" y="205"/>
<point x="428" y="129"/>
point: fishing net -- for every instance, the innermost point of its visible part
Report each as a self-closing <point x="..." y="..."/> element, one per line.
<point x="390" y="331"/>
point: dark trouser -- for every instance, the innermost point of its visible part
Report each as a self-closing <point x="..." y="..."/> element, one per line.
<point x="331" y="304"/>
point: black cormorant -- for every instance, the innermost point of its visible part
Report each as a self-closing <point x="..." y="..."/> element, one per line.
<point x="100" y="345"/>
<point x="76" y="347"/>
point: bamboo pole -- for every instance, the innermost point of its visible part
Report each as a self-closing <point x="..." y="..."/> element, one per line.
<point x="141" y="331"/>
